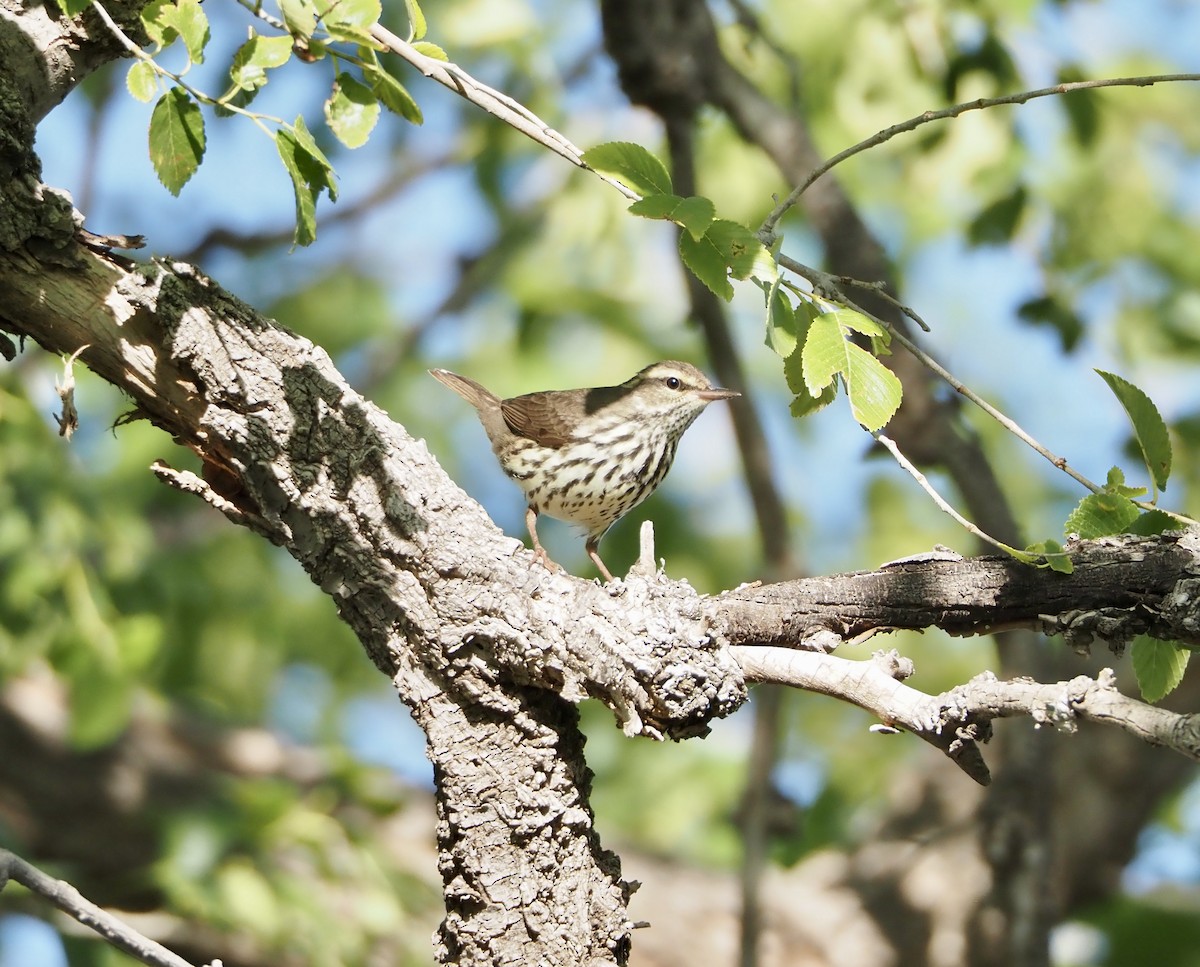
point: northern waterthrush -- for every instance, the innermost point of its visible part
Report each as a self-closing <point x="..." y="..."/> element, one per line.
<point x="589" y="456"/>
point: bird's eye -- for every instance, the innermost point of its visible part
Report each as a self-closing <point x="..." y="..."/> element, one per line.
<point x="673" y="382"/>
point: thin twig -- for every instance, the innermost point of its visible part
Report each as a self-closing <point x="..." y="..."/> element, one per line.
<point x="937" y="498"/>
<point x="64" y="896"/>
<point x="826" y="285"/>
<point x="122" y="38"/>
<point x="495" y="102"/>
<point x="768" y="225"/>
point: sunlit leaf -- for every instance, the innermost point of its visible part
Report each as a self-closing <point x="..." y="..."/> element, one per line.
<point x="190" y="22"/>
<point x="351" y="111"/>
<point x="1158" y="665"/>
<point x="176" y="139"/>
<point x="781" y="323"/>
<point x="1047" y="553"/>
<point x="874" y="390"/>
<point x="631" y="164"/>
<point x="300" y="17"/>
<point x="430" y="50"/>
<point x="705" y="261"/>
<point x="1115" y="484"/>
<point x="694" y="214"/>
<point x="416" y="20"/>
<point x="255" y="57"/>
<point x="1099" y="515"/>
<point x="362" y="14"/>
<point x="392" y="94"/>
<point x="1148" y="427"/>
<point x="142" y="81"/>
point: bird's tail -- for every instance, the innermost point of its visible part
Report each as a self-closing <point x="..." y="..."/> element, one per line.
<point x="468" y="389"/>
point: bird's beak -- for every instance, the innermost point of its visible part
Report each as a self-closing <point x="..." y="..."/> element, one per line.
<point x="716" y="393"/>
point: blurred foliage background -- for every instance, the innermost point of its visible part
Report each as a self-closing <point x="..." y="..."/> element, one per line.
<point x="1038" y="241"/>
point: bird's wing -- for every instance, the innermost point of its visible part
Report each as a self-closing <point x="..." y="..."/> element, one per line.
<point x="540" y="417"/>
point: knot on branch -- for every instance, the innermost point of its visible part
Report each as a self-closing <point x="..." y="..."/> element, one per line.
<point x="644" y="647"/>
<point x="1179" y="611"/>
<point x="1116" y="627"/>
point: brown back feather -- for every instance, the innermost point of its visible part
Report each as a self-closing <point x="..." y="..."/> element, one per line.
<point x="548" y="418"/>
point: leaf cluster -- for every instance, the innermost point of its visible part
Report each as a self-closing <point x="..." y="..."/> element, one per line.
<point x="816" y="338"/>
<point x="339" y="31"/>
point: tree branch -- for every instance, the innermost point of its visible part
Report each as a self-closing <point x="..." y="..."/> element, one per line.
<point x="1121" y="587"/>
<point x="955" y="720"/>
<point x="768" y="226"/>
<point x="75" y="905"/>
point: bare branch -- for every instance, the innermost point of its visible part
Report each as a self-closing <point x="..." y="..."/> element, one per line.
<point x="955" y="720"/>
<point x="495" y="102"/>
<point x="75" y="905"/>
<point x="769" y="223"/>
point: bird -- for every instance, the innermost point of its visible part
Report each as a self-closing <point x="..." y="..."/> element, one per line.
<point x="589" y="456"/>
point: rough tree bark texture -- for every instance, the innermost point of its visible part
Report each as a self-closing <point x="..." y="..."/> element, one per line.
<point x="488" y="652"/>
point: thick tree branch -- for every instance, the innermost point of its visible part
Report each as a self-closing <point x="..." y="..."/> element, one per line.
<point x="1121" y="587"/>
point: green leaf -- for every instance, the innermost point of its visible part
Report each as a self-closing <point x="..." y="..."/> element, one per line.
<point x="351" y="111"/>
<point x="255" y="57"/>
<point x="291" y="154"/>
<point x="431" y="50"/>
<point x="803" y="404"/>
<point x="873" y="389"/>
<point x="1116" y="484"/>
<point x="996" y="224"/>
<point x="187" y="19"/>
<point x="157" y="29"/>
<point x="72" y="8"/>
<point x="1047" y="553"/>
<point x="352" y="34"/>
<point x="176" y="139"/>
<point x="705" y="261"/>
<point x="1099" y="515"/>
<point x="1158" y="665"/>
<point x="300" y="16"/>
<point x="881" y="339"/>
<point x="310" y="172"/>
<point x="1048" y="310"/>
<point x="142" y="81"/>
<point x="1148" y="427"/>
<point x="694" y="214"/>
<point x="392" y="94"/>
<point x="1154" y="522"/>
<point x="362" y="14"/>
<point x="739" y="247"/>
<point x="631" y="164"/>
<point x="101" y="703"/>
<point x="782" y="332"/>
<point x="323" y="169"/>
<point x="416" y="20"/>
<point x="726" y="249"/>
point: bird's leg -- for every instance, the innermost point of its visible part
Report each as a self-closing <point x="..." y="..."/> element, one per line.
<point x="591" y="547"/>
<point x="539" y="552"/>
